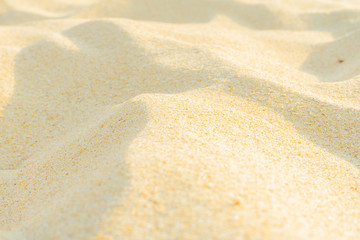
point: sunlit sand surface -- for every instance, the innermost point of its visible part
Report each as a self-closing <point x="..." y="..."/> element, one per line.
<point x="169" y="119"/>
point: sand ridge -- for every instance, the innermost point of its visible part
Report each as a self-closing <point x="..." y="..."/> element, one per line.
<point x="154" y="119"/>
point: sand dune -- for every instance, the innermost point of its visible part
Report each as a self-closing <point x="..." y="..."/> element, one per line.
<point x="164" y="119"/>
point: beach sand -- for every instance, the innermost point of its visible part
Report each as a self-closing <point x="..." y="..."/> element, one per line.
<point x="179" y="119"/>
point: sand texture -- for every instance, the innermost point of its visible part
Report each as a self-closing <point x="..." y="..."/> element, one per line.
<point x="179" y="119"/>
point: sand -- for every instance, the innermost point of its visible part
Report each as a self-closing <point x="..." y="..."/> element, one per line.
<point x="169" y="119"/>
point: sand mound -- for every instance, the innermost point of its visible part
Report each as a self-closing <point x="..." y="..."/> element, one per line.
<point x="164" y="119"/>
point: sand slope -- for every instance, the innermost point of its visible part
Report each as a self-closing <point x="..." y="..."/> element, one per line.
<point x="165" y="119"/>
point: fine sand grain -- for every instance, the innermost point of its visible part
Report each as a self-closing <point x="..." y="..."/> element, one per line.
<point x="179" y="119"/>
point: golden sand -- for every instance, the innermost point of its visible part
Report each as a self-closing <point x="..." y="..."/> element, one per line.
<point x="179" y="119"/>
